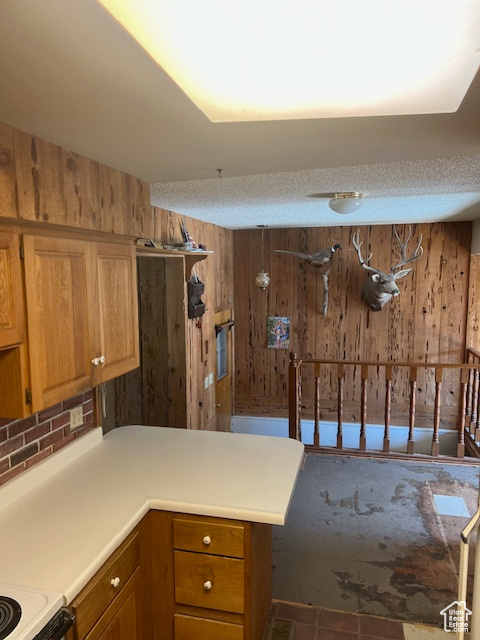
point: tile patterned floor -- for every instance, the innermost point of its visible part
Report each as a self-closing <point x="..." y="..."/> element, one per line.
<point x="299" y="622"/>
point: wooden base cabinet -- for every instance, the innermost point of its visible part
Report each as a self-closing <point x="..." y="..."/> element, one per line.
<point x="115" y="604"/>
<point x="191" y="628"/>
<point x="211" y="577"/>
<point x="180" y="577"/>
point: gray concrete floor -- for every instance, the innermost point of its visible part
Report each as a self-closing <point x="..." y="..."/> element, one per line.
<point x="366" y="536"/>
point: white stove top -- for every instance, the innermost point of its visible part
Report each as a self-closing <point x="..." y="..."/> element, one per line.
<point x="38" y="607"/>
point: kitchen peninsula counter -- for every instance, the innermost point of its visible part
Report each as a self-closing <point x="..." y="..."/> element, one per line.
<point x="63" y="518"/>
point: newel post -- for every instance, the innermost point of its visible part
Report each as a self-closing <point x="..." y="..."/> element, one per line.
<point x="294" y="392"/>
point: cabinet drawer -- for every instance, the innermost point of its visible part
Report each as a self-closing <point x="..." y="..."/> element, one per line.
<point x="187" y="628"/>
<point x="209" y="537"/>
<point x="101" y="591"/>
<point x="202" y="580"/>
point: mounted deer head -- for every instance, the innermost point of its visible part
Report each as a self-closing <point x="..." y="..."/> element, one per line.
<point x="380" y="287"/>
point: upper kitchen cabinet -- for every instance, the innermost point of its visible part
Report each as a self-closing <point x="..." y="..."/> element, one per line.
<point x="82" y="315"/>
<point x="11" y="297"/>
<point x="116" y="343"/>
<point x="60" y="316"/>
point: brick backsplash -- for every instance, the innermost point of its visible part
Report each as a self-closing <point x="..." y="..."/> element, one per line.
<point x="23" y="443"/>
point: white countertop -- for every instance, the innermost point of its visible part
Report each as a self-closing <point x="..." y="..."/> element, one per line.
<point x="63" y="518"/>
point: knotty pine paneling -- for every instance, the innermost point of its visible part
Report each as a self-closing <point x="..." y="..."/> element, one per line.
<point x="216" y="271"/>
<point x="425" y="323"/>
<point x="473" y="313"/>
<point x="8" y="205"/>
<point x="41" y="182"/>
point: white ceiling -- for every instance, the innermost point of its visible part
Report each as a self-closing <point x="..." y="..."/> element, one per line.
<point x="72" y="75"/>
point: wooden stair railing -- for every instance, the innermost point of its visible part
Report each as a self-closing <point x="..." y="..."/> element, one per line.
<point x="472" y="412"/>
<point x="468" y="420"/>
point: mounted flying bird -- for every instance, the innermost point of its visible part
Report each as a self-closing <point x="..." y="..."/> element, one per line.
<point x="318" y="259"/>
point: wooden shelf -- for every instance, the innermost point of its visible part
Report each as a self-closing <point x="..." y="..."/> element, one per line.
<point x="191" y="257"/>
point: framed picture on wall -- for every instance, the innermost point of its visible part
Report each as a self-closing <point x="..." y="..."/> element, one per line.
<point x="278" y="332"/>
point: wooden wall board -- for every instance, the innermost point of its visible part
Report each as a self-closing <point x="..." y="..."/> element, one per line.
<point x="473" y="309"/>
<point x="414" y="326"/>
<point x="454" y="302"/>
<point x="351" y="314"/>
<point x="190" y="351"/>
<point x="401" y="320"/>
<point x="56" y="186"/>
<point x="153" y="341"/>
<point x="127" y="403"/>
<point x="39" y="169"/>
<point x="259" y="301"/>
<point x="170" y="355"/>
<point x="243" y="333"/>
<point x="376" y="336"/>
<point x="8" y="191"/>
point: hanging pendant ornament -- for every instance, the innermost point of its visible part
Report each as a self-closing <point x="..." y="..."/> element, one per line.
<point x="262" y="280"/>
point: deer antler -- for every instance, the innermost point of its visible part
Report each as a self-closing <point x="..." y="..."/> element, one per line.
<point x="358" y="246"/>
<point x="403" y="246"/>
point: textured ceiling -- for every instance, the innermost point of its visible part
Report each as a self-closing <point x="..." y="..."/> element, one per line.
<point x="398" y="192"/>
<point x="70" y="74"/>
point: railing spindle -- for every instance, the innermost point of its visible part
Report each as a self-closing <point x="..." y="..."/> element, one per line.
<point x="411" y="416"/>
<point x="468" y="407"/>
<point x="461" y="421"/>
<point x="316" y="431"/>
<point x="476" y="437"/>
<point x="436" y="413"/>
<point x="293" y="398"/>
<point x="340" y="376"/>
<point x="468" y="400"/>
<point x="388" y="408"/>
<point x="363" y="410"/>
<point x="299" y="404"/>
<point x="475" y="398"/>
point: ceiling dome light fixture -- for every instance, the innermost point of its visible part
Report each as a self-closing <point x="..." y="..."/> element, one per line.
<point x="346" y="201"/>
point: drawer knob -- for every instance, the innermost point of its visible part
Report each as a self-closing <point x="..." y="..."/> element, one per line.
<point x="101" y="359"/>
<point x="115" y="582"/>
<point x="207" y="540"/>
<point x="95" y="361"/>
<point x="207" y="585"/>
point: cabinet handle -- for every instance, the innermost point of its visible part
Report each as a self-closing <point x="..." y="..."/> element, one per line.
<point x="207" y="540"/>
<point x="101" y="359"/>
<point x="207" y="585"/>
<point x="115" y="582"/>
<point x="95" y="361"/>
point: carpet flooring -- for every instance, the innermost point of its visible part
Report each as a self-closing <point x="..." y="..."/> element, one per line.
<point x="366" y="536"/>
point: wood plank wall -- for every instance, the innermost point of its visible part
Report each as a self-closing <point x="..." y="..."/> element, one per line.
<point x="41" y="182"/>
<point x="426" y="322"/>
<point x="216" y="272"/>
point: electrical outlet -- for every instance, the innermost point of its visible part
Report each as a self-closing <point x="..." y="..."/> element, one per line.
<point x="76" y="418"/>
<point x="210" y="379"/>
<point x="206" y="382"/>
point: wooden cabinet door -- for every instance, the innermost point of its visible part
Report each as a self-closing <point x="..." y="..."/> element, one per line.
<point x="57" y="276"/>
<point x="120" y="621"/>
<point x="115" y="286"/>
<point x="11" y="292"/>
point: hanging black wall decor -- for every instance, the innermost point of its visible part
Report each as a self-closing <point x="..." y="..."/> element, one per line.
<point x="195" y="288"/>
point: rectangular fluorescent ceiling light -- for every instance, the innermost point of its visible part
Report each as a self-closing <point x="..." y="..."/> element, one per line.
<point x="294" y="59"/>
